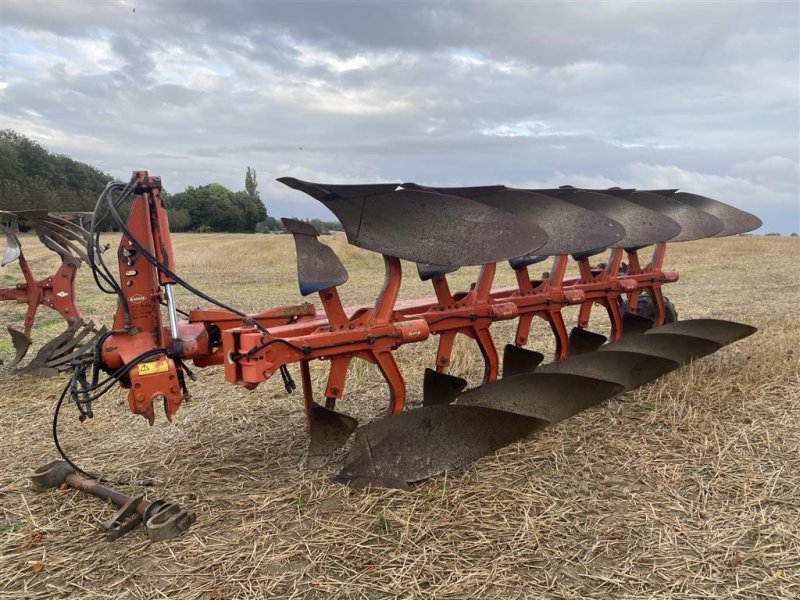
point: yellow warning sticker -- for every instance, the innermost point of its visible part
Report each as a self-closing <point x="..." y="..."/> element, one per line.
<point x="151" y="368"/>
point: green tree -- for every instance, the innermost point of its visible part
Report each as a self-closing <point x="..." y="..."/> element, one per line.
<point x="210" y="207"/>
<point x="179" y="219"/>
<point x="214" y="207"/>
<point x="252" y="210"/>
<point x="251" y="184"/>
<point x="269" y="225"/>
<point x="32" y="177"/>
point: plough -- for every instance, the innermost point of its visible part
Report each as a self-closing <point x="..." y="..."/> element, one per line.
<point x="70" y="241"/>
<point x="440" y="230"/>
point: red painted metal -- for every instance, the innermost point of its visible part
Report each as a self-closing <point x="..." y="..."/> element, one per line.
<point x="56" y="292"/>
<point x="298" y="334"/>
<point x="138" y="326"/>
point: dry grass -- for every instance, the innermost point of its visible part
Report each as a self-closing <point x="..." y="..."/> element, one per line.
<point x="686" y="488"/>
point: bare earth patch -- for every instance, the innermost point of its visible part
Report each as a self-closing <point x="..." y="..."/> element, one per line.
<point x="686" y="488"/>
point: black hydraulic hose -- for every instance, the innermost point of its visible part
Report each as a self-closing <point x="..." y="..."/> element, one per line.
<point x="179" y="280"/>
<point x="71" y="463"/>
<point x="79" y="402"/>
<point x="112" y="209"/>
<point x="99" y="268"/>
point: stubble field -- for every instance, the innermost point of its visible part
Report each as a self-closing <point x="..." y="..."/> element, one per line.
<point x="686" y="488"/>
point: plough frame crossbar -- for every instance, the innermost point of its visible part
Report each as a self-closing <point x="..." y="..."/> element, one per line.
<point x="254" y="348"/>
<point x="350" y="333"/>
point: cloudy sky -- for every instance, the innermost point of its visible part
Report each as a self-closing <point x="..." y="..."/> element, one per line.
<point x="704" y="96"/>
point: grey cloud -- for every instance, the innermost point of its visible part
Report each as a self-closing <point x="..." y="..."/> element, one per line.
<point x="439" y="92"/>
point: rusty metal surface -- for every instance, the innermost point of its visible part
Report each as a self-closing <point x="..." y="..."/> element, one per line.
<point x="629" y="369"/>
<point x="673" y="346"/>
<point x="465" y="192"/>
<point x="695" y="224"/>
<point x="71" y="247"/>
<point x="21" y="344"/>
<point x="735" y="221"/>
<point x="425" y="227"/>
<point x="421" y="443"/>
<point x="163" y="520"/>
<point x="55" y="356"/>
<point x="570" y="228"/>
<point x="633" y="324"/>
<point x="330" y="430"/>
<point x="582" y="341"/>
<point x="716" y="330"/>
<point x="427" y="272"/>
<point x="51" y="475"/>
<point x="552" y="397"/>
<point x="38" y="364"/>
<point x="27" y="215"/>
<point x="441" y="388"/>
<point x="518" y="361"/>
<point x="643" y="226"/>
<point x="318" y="267"/>
<point x="124" y="520"/>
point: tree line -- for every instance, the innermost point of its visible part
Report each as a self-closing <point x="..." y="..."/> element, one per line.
<point x="32" y="177"/>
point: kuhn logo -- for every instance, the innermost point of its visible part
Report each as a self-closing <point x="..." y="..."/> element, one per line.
<point x="137" y="298"/>
<point x="62" y="294"/>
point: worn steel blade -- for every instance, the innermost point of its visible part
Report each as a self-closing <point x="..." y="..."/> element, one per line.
<point x="49" y="359"/>
<point x="582" y="341"/>
<point x="21" y="344"/>
<point x="629" y="369"/>
<point x="318" y="267"/>
<point x="330" y="430"/>
<point x="425" y="227"/>
<point x="427" y="272"/>
<point x="28" y="215"/>
<point x="633" y="324"/>
<point x="716" y="330"/>
<point x="77" y="346"/>
<point x="518" y="361"/>
<point x="642" y="225"/>
<point x="63" y="242"/>
<point x="13" y="249"/>
<point x="76" y="232"/>
<point x="735" y="221"/>
<point x="441" y="388"/>
<point x="552" y="397"/>
<point x="421" y="443"/>
<point x="695" y="224"/>
<point x="570" y="228"/>
<point x="673" y="346"/>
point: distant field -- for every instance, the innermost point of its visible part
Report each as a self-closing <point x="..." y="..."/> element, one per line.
<point x="686" y="488"/>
